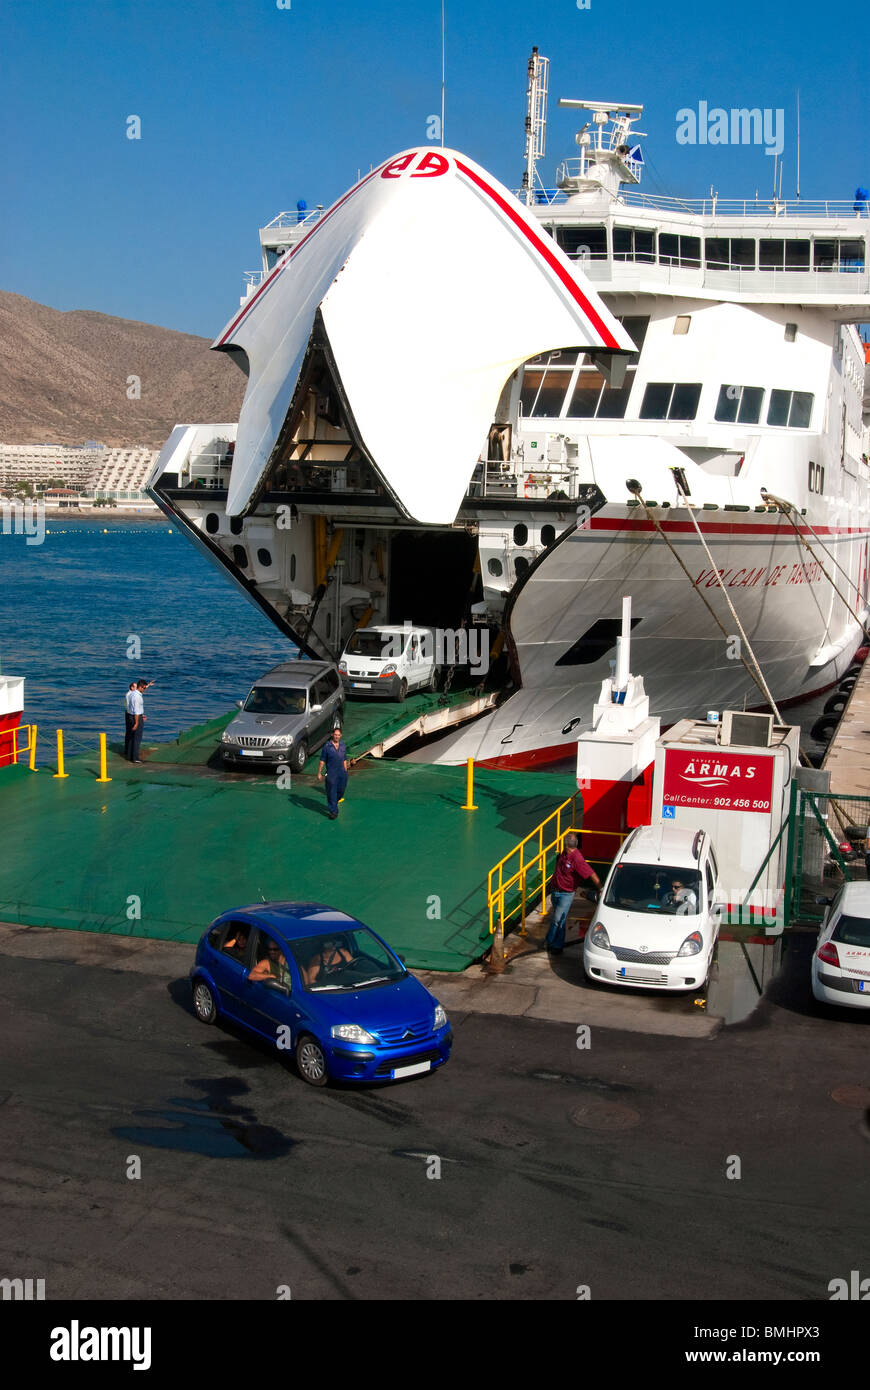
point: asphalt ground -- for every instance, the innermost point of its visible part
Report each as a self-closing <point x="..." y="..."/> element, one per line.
<point x="603" y="1167"/>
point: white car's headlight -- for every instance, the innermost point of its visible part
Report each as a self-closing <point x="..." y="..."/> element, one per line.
<point x="440" y="1017"/>
<point x="692" y="944"/>
<point x="598" y="937"/>
<point x="351" y="1032"/>
<point x="389" y="669"/>
<point x="342" y="666"/>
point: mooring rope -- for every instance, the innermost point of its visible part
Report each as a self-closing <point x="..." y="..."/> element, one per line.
<point x="756" y="674"/>
<point x="788" y="509"/>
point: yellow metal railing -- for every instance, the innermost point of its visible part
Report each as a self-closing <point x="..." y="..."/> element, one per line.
<point x="20" y="742"/>
<point x="531" y="859"/>
<point x="12" y="748"/>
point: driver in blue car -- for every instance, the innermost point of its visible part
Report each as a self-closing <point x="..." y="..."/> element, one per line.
<point x="331" y="957"/>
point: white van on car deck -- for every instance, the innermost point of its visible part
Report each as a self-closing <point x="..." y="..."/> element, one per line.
<point x="389" y="662"/>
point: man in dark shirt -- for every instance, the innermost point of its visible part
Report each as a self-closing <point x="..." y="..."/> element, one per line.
<point x="333" y="760"/>
<point x="571" y="870"/>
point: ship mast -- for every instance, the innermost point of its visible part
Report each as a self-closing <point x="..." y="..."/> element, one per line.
<point x="536" y="120"/>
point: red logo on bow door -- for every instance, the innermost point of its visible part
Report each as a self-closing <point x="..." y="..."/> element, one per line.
<point x="423" y="164"/>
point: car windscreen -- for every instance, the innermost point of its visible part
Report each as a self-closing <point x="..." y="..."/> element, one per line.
<point x="368" y="644"/>
<point x="655" y="888"/>
<point x="852" y="931"/>
<point x="275" y="699"/>
<point x="346" y="960"/>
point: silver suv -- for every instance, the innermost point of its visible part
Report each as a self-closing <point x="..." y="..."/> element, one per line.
<point x="291" y="709"/>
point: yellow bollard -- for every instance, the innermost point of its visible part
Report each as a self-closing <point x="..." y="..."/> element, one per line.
<point x="33" y="748"/>
<point x="102" y="777"/>
<point x="468" y="804"/>
<point x="60" y="772"/>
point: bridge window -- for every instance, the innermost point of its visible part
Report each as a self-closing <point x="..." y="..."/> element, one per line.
<point x="838" y="255"/>
<point x="740" y="403"/>
<point x="495" y="568"/>
<point x="264" y="557"/>
<point x="240" y="555"/>
<point x="668" y="400"/>
<point x="521" y="533"/>
<point x="591" y="397"/>
<point x="545" y="381"/>
<point x="783" y="255"/>
<point x="679" y="250"/>
<point x="634" y="244"/>
<point x="583" y="243"/>
<point x="212" y="523"/>
<point x="729" y="253"/>
<point x="548" y="534"/>
<point x="790" y="408"/>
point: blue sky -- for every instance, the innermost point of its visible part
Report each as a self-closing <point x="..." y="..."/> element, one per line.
<point x="246" y="107"/>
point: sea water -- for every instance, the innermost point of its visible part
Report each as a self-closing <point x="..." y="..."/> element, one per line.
<point x="102" y="603"/>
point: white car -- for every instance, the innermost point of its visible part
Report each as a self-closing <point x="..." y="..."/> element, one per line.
<point x="841" y="961"/>
<point x="657" y="919"/>
<point x="388" y="662"/>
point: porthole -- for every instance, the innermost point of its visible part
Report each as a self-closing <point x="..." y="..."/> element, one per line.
<point x="521" y="533"/>
<point x="212" y="523"/>
<point x="240" y="555"/>
<point x="548" y="534"/>
<point x="521" y="564"/>
<point x="236" y="525"/>
<point x="292" y="567"/>
<point x="495" y="567"/>
<point x="264" y="557"/>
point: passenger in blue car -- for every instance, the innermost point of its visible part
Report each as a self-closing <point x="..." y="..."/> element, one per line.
<point x="273" y="966"/>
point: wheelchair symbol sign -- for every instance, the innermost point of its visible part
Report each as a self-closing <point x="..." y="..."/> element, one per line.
<point x="669" y="813"/>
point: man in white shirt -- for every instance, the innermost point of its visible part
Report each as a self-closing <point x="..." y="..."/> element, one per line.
<point x="129" y="722"/>
<point x="137" y="709"/>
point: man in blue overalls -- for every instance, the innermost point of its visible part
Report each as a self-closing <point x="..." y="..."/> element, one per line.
<point x="334" y="760"/>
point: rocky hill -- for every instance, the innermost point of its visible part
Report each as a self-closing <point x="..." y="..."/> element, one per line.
<point x="63" y="377"/>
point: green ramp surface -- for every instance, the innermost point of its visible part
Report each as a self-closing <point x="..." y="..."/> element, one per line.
<point x="162" y="849"/>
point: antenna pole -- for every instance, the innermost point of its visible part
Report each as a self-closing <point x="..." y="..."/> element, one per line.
<point x="798" y="185"/>
<point x="443" y="66"/>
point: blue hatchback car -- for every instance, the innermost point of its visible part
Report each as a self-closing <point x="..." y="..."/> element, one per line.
<point x="313" y="980"/>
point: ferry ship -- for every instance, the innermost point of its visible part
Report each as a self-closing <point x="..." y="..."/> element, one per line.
<point x="469" y="406"/>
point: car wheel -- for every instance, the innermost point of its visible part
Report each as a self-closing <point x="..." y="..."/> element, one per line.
<point x="433" y="679"/>
<point x="204" y="1002"/>
<point x="403" y="691"/>
<point x="311" y="1061"/>
<point x="299" y="756"/>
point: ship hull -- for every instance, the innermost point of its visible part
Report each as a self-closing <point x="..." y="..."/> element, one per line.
<point x="801" y="633"/>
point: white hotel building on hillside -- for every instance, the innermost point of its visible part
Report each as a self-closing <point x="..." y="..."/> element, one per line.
<point x="86" y="472"/>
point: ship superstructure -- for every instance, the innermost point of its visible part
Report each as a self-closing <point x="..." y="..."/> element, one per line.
<point x="369" y="480"/>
